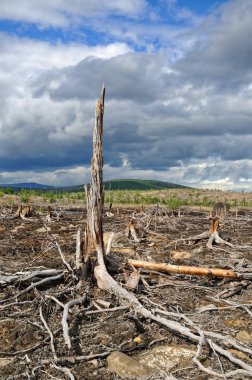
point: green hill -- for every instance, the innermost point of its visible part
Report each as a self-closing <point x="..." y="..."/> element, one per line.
<point x="114" y="184"/>
<point x="129" y="184"/>
<point x="27" y="185"/>
<point x="139" y="184"/>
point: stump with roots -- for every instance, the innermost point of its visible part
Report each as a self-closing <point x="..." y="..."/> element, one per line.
<point x="214" y="235"/>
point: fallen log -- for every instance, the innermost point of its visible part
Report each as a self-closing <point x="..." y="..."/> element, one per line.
<point x="182" y="269"/>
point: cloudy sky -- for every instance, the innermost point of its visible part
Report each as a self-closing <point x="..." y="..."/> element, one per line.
<point x="178" y="76"/>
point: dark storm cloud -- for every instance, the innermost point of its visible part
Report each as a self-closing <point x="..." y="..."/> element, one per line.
<point x="123" y="139"/>
<point x="130" y="76"/>
<point x="47" y="158"/>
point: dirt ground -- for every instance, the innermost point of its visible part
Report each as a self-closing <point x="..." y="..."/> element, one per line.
<point x="26" y="246"/>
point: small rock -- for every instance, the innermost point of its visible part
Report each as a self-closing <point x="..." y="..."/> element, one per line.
<point x="167" y="357"/>
<point x="244" y="335"/>
<point x="127" y="367"/>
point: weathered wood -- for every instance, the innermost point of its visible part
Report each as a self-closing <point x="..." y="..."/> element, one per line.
<point x="78" y="257"/>
<point x="95" y="194"/>
<point x="214" y="236"/>
<point x="110" y="241"/>
<point x="181" y="269"/>
<point x="64" y="323"/>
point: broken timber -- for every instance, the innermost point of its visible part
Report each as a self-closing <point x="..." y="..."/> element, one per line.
<point x="182" y="269"/>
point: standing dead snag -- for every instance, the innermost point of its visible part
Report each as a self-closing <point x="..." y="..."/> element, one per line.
<point x="95" y="194"/>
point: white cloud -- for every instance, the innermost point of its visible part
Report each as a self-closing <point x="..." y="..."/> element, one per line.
<point x="25" y="56"/>
<point x="60" y="13"/>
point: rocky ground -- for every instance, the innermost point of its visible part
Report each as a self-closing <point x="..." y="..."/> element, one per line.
<point x="102" y="324"/>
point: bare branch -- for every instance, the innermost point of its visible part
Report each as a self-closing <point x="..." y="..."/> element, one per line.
<point x="65" y="318"/>
<point x="49" y="332"/>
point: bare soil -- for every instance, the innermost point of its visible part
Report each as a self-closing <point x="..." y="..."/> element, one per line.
<point x="24" y="342"/>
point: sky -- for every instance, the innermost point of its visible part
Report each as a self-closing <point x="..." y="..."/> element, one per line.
<point x="178" y="77"/>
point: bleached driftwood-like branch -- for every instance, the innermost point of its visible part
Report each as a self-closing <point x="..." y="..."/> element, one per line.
<point x="64" y="323"/>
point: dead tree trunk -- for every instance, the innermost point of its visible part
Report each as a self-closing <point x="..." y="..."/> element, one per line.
<point x="94" y="193"/>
